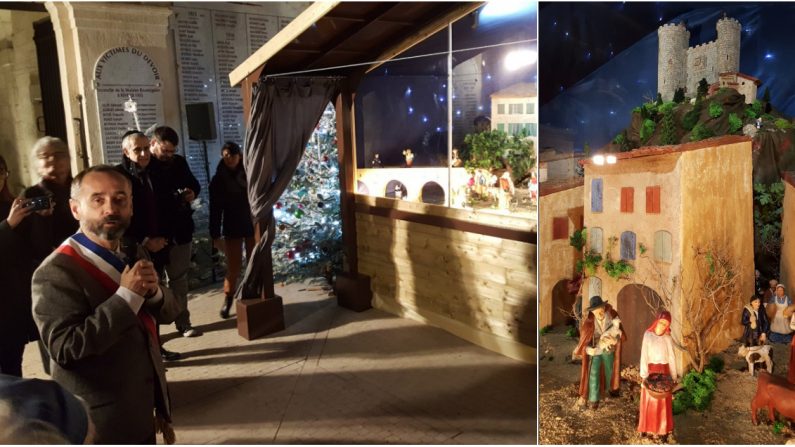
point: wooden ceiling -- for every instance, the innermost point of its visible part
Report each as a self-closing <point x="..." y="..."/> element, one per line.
<point x="331" y="35"/>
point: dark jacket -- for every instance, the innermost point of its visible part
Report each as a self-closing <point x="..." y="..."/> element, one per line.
<point x="751" y="336"/>
<point x="16" y="321"/>
<point x="173" y="177"/>
<point x="42" y="234"/>
<point x="229" y="203"/>
<point x="146" y="221"/>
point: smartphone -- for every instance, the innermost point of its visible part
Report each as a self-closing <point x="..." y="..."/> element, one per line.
<point x="38" y="203"/>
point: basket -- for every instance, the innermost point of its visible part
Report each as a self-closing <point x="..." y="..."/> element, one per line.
<point x="659" y="386"/>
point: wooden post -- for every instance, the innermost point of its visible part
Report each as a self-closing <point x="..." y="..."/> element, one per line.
<point x="352" y="289"/>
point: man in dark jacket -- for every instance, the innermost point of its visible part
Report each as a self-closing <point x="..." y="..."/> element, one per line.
<point x="181" y="187"/>
<point x="44" y="230"/>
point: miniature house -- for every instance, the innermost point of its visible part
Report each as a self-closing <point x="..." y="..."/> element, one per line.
<point x="562" y="202"/>
<point x="557" y="166"/>
<point x="744" y="84"/>
<point x="658" y="203"/>
<point x="515" y="108"/>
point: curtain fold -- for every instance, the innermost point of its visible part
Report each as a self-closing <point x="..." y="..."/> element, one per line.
<point x="284" y="114"/>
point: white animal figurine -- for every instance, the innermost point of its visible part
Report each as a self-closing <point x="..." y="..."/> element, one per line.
<point x="763" y="353"/>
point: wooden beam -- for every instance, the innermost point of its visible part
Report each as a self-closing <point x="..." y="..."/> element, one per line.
<point x="340" y="39"/>
<point x="347" y="171"/>
<point x="245" y="91"/>
<point x="294" y="29"/>
<point x="426" y="31"/>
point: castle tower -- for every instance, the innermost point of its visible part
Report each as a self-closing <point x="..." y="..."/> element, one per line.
<point x="728" y="42"/>
<point x="672" y="58"/>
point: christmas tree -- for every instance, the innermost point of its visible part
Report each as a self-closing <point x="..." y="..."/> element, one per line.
<point x="308" y="242"/>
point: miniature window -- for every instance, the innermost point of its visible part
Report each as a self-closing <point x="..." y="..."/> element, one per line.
<point x="433" y="192"/>
<point x="653" y="200"/>
<point x="529" y="109"/>
<point x="516" y="109"/>
<point x="361" y="187"/>
<point x="627" y="245"/>
<point x="662" y="246"/>
<point x="596" y="240"/>
<point x="395" y="190"/>
<point x="501" y="109"/>
<point x="532" y="129"/>
<point x="627" y="199"/>
<point x="560" y="228"/>
<point x="594" y="287"/>
<point x="596" y="195"/>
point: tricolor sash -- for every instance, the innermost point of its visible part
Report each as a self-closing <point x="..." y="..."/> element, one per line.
<point x="106" y="268"/>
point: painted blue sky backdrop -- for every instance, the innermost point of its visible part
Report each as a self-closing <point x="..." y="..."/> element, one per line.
<point x="596" y="108"/>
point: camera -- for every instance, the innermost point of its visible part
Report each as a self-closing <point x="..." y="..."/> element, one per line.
<point x="38" y="203"/>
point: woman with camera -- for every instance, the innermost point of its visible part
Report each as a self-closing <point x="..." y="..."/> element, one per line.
<point x="229" y="208"/>
<point x="16" y="323"/>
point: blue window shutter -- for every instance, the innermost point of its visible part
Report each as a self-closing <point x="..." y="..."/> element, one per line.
<point x="628" y="245"/>
<point x="596" y="195"/>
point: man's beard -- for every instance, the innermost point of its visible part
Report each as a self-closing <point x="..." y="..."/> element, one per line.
<point x="110" y="234"/>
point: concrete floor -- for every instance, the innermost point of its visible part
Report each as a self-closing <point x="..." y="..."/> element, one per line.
<point x="336" y="376"/>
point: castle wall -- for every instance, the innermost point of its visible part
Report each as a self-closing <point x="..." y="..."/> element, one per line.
<point x="702" y="63"/>
<point x="671" y="59"/>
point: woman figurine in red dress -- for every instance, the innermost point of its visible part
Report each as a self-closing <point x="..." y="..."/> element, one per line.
<point x="657" y="357"/>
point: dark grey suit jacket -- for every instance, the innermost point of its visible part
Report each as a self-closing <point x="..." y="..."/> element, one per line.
<point x="101" y="351"/>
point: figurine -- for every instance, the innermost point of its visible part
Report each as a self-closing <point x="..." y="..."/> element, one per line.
<point x="601" y="337"/>
<point x="409" y="157"/>
<point x="780" y="331"/>
<point x="506" y="191"/>
<point x="376" y="163"/>
<point x="658" y="371"/>
<point x="754" y="319"/>
<point x="457" y="163"/>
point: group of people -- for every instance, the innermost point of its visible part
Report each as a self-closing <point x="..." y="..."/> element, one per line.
<point x="600" y="344"/>
<point x="94" y="264"/>
<point x="769" y="317"/>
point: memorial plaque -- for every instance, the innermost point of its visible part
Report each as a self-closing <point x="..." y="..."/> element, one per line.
<point x="126" y="75"/>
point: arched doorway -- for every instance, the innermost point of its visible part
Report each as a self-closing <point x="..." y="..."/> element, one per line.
<point x="637" y="307"/>
<point x="562" y="302"/>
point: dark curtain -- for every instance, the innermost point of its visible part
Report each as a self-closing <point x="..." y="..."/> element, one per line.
<point x="284" y="113"/>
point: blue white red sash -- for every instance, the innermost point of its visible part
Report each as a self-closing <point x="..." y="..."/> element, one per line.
<point x="105" y="267"/>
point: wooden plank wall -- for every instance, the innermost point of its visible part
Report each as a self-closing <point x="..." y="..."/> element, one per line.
<point x="481" y="288"/>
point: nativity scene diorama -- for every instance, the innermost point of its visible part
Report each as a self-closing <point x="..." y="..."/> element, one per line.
<point x="663" y="296"/>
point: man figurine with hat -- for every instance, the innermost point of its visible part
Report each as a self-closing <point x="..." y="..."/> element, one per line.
<point x="601" y="336"/>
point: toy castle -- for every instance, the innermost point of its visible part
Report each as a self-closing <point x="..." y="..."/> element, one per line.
<point x="681" y="66"/>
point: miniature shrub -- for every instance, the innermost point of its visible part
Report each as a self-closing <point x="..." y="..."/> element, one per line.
<point x="578" y="238"/>
<point x="619" y="139"/>
<point x="715" y="110"/>
<point x="750" y="114"/>
<point x="735" y="123"/>
<point x="701" y="387"/>
<point x="778" y="427"/>
<point x="618" y="269"/>
<point x="571" y="332"/>
<point x="636" y="110"/>
<point x="700" y="132"/>
<point x="783" y="124"/>
<point x="589" y="263"/>
<point x="691" y="118"/>
<point x="668" y="134"/>
<point x="716" y="363"/>
<point x="545" y="329"/>
<point x="681" y="402"/>
<point x="679" y="95"/>
<point x="647" y="130"/>
<point x="756" y="107"/>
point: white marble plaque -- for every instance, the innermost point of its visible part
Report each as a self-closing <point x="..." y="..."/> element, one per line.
<point x="122" y="74"/>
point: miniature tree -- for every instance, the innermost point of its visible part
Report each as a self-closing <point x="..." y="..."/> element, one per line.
<point x="679" y="95"/>
<point x="735" y="123"/>
<point x="768" y="206"/>
<point x="766" y="96"/>
<point x="647" y="130"/>
<point x="700" y="132"/>
<point x="659" y="99"/>
<point x="691" y="118"/>
<point x="715" y="110"/>
<point x="703" y="88"/>
<point x="668" y="127"/>
<point x="707" y="304"/>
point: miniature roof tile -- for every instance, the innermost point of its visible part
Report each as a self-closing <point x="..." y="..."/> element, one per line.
<point x="742" y="75"/>
<point x="520" y="90"/>
<point x="558" y="185"/>
<point x="660" y="150"/>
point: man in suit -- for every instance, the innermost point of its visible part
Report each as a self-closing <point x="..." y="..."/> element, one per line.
<point x="97" y="314"/>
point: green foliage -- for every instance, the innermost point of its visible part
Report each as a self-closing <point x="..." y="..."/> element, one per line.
<point x="699" y="388"/>
<point x="766" y="96"/>
<point x="757" y="107"/>
<point x="571" y="332"/>
<point x="649" y="111"/>
<point x="647" y="130"/>
<point x="691" y="118"/>
<point x="703" y="88"/>
<point x="783" y="124"/>
<point x="618" y="269"/>
<point x="679" y="95"/>
<point x="578" y="239"/>
<point x="666" y="107"/>
<point x="716" y="364"/>
<point x="659" y="99"/>
<point x="715" y="110"/>
<point x="668" y="135"/>
<point x="701" y="131"/>
<point x="643" y="248"/>
<point x="778" y="427"/>
<point x="494" y="149"/>
<point x="750" y="114"/>
<point x="622" y="141"/>
<point x="735" y="123"/>
<point x="586" y="149"/>
<point x="619" y="139"/>
<point x="636" y="109"/>
<point x="589" y="263"/>
<point x="545" y="329"/>
<point x="768" y="202"/>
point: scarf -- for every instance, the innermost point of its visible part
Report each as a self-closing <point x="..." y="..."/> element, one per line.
<point x="105" y="267"/>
